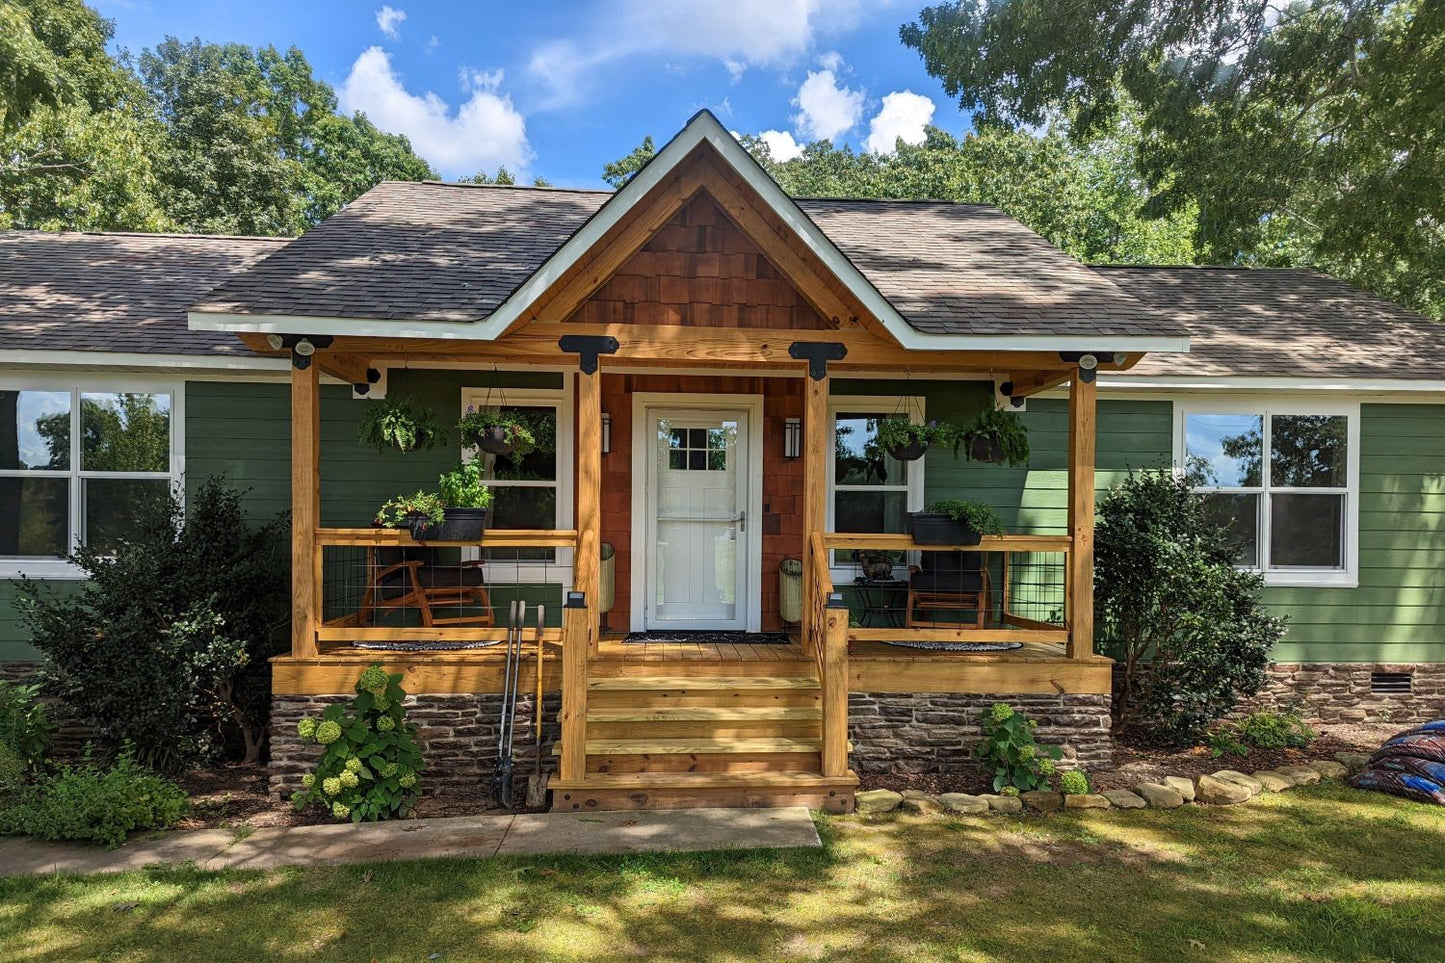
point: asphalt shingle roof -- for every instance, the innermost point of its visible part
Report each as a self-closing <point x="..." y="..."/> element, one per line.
<point x="116" y="292"/>
<point x="1282" y="322"/>
<point x="450" y="252"/>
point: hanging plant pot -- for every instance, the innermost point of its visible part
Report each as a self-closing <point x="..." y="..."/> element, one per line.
<point x="910" y="451"/>
<point x="459" y="525"/>
<point x="494" y="440"/>
<point x="986" y="449"/>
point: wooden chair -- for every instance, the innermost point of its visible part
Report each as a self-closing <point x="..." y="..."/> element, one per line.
<point x="416" y="578"/>
<point x="948" y="582"/>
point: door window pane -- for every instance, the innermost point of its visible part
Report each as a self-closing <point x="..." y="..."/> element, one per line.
<point x="1239" y="514"/>
<point x="1307" y="531"/>
<point x="1307" y="451"/>
<point x="125" y="432"/>
<point x="35" y="430"/>
<point x="857" y="458"/>
<point x="34" y="516"/>
<point x="115" y="508"/>
<point x="1224" y="451"/>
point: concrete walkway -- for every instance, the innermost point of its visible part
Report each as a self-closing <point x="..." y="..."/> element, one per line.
<point x="503" y="834"/>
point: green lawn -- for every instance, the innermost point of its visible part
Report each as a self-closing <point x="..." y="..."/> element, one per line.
<point x="1325" y="873"/>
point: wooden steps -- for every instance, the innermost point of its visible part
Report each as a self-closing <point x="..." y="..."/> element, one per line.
<point x="659" y="736"/>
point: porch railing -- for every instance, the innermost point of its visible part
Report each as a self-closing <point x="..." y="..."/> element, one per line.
<point x="382" y="585"/>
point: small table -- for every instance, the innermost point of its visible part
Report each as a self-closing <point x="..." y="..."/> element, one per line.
<point x="884" y="599"/>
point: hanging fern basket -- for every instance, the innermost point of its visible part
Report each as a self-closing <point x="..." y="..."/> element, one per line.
<point x="910" y="451"/>
<point x="495" y="441"/>
<point x="986" y="449"/>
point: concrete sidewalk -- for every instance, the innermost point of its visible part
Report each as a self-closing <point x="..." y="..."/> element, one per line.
<point x="504" y="834"/>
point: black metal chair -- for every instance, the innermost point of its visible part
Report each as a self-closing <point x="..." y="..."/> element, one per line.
<point x="420" y="578"/>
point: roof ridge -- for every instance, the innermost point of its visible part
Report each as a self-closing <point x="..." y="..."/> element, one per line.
<point x="33" y="232"/>
<point x="940" y="201"/>
<point x="1210" y="267"/>
<point x="511" y="187"/>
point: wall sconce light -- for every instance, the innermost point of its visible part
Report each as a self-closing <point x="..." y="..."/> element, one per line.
<point x="792" y="437"/>
<point x="606" y="433"/>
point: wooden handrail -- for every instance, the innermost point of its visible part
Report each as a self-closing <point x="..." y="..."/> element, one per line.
<point x="989" y="543"/>
<point x="494" y="538"/>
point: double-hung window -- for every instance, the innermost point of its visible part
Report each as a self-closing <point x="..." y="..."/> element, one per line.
<point x="533" y="492"/>
<point x="871" y="491"/>
<point x="1284" y="478"/>
<point x="79" y="466"/>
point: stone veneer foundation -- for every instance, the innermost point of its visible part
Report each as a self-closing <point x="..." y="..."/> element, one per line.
<point x="458" y="736"/>
<point x="1340" y="692"/>
<point x="935" y="732"/>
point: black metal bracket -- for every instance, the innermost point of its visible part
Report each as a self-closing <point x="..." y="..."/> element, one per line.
<point x="301" y="361"/>
<point x="588" y="347"/>
<point x="817" y="354"/>
<point x="372" y="377"/>
<point x="1086" y="375"/>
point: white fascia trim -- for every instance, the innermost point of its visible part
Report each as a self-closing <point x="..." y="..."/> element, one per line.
<point x="1231" y="383"/>
<point x="703" y="127"/>
<point x="123" y="359"/>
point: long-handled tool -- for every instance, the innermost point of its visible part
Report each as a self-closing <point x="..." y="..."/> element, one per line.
<point x="502" y="782"/>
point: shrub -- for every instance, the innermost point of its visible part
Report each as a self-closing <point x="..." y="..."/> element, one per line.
<point x="95" y="805"/>
<point x="1275" y="730"/>
<point x="1171" y="606"/>
<point x="167" y="640"/>
<point x="1008" y="746"/>
<point x="24" y="727"/>
<point x="1075" y="782"/>
<point x="370" y="769"/>
<point x="1224" y="741"/>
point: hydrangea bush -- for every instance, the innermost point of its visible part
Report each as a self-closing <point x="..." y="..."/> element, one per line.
<point x="1075" y="782"/>
<point x="1008" y="747"/>
<point x="370" y="768"/>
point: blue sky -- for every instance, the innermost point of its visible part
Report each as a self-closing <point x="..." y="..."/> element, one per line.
<point x="559" y="88"/>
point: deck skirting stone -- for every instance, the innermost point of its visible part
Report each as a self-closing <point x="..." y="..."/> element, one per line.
<point x="458" y="735"/>
<point x="935" y="732"/>
<point x="1326" y="692"/>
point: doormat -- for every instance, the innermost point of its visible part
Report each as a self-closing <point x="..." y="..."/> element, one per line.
<point x="958" y="646"/>
<point x="425" y="646"/>
<point x="701" y="638"/>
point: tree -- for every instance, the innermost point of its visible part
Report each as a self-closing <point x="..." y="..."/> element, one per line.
<point x="1311" y="132"/>
<point x="1186" y="625"/>
<point x="503" y="178"/>
<point x="620" y="171"/>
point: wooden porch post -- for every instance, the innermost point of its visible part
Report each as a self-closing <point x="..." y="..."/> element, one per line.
<point x="305" y="508"/>
<point x="586" y="566"/>
<point x="1081" y="516"/>
<point x="816" y="452"/>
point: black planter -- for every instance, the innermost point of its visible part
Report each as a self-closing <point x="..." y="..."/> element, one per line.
<point x="936" y="528"/>
<point x="459" y="525"/>
<point x="986" y="450"/>
<point x="494" y="441"/>
<point x="910" y="452"/>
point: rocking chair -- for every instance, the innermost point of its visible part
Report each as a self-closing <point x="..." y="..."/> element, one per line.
<point x="416" y="578"/>
<point x="947" y="582"/>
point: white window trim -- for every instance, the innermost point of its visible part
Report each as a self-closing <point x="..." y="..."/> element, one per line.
<point x="1266" y="406"/>
<point x="913" y="407"/>
<point x="533" y="571"/>
<point x="76" y="384"/>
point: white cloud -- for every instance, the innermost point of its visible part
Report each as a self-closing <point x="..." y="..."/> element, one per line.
<point x="739" y="34"/>
<point x="781" y="144"/>
<point x="481" y="79"/>
<point x="832" y="60"/>
<point x="431" y="44"/>
<point x="904" y="114"/>
<point x="486" y="131"/>
<point x="388" y="18"/>
<point x="825" y="109"/>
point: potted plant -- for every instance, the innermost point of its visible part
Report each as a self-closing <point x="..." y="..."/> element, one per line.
<point x="496" y="432"/>
<point x="996" y="437"/>
<point x="456" y="512"/>
<point x="954" y="521"/>
<point x="400" y="423"/>
<point x="903" y="439"/>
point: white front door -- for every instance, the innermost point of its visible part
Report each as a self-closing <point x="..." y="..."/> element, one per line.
<point x="697" y="549"/>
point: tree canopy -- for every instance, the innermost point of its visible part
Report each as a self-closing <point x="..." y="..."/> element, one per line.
<point x="1308" y="132"/>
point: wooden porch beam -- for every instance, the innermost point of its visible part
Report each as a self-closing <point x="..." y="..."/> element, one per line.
<point x="305" y="509"/>
<point x="1082" y="426"/>
<point x="817" y="449"/>
<point x="586" y="565"/>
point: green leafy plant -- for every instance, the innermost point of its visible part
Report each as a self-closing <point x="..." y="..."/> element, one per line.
<point x="165" y="644"/>
<point x="462" y="487"/>
<point x="515" y="430"/>
<point x="370" y="767"/>
<point x="24" y="727"/>
<point x="1008" y="747"/>
<point x="1170" y="605"/>
<point x="1075" y="782"/>
<point x="94" y="804"/>
<point x="401" y="424"/>
<point x="994" y="435"/>
<point x="1225" y="742"/>
<point x="893" y="433"/>
<point x="396" y="512"/>
<point x="976" y="516"/>
<point x="1276" y="730"/>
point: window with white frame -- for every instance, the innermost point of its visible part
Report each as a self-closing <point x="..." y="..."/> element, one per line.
<point x="871" y="491"/>
<point x="78" y="466"/>
<point x="1284" y="478"/>
<point x="533" y="492"/>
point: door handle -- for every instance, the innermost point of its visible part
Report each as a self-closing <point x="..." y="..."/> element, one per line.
<point x="742" y="521"/>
